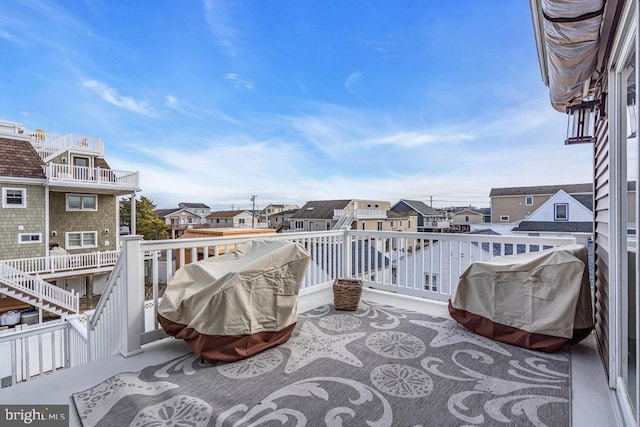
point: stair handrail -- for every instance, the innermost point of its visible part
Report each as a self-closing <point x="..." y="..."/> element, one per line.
<point x="40" y="288"/>
<point x="111" y="284"/>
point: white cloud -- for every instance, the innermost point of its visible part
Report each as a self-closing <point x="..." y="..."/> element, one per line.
<point x="111" y="95"/>
<point x="217" y="14"/>
<point x="352" y="82"/>
<point x="238" y="82"/>
<point x="417" y="139"/>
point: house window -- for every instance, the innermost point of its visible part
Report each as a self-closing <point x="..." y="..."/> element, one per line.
<point x="528" y="200"/>
<point x="82" y="202"/>
<point x="430" y="282"/>
<point x="14" y="197"/>
<point x="504" y="218"/>
<point x="312" y="226"/>
<point x="29" y="238"/>
<point x="327" y="225"/>
<point x="363" y="226"/>
<point x="391" y="224"/>
<point x="299" y="225"/>
<point x="466" y="218"/>
<point x="379" y="225"/>
<point x="240" y="220"/>
<point x="81" y="239"/>
<point x="217" y="220"/>
<point x="561" y="212"/>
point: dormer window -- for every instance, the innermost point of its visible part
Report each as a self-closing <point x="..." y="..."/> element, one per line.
<point x="528" y="200"/>
<point x="561" y="212"/>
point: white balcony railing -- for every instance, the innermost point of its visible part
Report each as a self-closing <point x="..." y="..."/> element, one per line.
<point x="62" y="173"/>
<point x="369" y="214"/>
<point x="395" y="261"/>
<point x="59" y="263"/>
<point x="48" y="145"/>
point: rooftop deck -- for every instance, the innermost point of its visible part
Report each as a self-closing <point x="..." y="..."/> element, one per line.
<point x="591" y="399"/>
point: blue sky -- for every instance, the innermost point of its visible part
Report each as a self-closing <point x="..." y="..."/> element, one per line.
<point x="214" y="101"/>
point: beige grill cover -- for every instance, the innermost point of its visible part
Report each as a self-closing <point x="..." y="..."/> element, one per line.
<point x="251" y="291"/>
<point x="538" y="300"/>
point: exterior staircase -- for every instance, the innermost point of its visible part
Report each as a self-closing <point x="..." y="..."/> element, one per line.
<point x="343" y="221"/>
<point x="37" y="292"/>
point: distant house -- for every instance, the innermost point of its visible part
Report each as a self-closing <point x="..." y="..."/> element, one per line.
<point x="59" y="213"/>
<point x="199" y="209"/>
<point x="428" y="218"/>
<point x="235" y="219"/>
<point x="467" y="217"/>
<point x="178" y="220"/>
<point x="280" y="221"/>
<point x="355" y="214"/>
<point x="514" y="204"/>
<point x="272" y="209"/>
<point x="562" y="214"/>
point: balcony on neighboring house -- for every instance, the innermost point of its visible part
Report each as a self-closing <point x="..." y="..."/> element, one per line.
<point x="49" y="145"/>
<point x="86" y="349"/>
<point x="55" y="266"/>
<point x="109" y="180"/>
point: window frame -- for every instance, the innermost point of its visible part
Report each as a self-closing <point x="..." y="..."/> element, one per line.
<point x="528" y="200"/>
<point x="504" y="218"/>
<point x="6" y="205"/>
<point x="555" y="211"/>
<point x="82" y="204"/>
<point x="30" y="242"/>
<point x="82" y="245"/>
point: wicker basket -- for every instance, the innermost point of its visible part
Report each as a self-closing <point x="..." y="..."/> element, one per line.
<point x="346" y="294"/>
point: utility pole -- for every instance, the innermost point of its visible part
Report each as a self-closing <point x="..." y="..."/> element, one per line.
<point x="431" y="201"/>
<point x="253" y="211"/>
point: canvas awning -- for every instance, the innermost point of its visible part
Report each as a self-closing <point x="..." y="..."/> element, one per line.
<point x="568" y="36"/>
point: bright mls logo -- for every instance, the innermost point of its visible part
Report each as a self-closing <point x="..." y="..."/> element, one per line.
<point x="34" y="415"/>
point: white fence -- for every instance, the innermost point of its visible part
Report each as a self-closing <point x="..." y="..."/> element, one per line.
<point x="124" y="319"/>
<point x="54" y="263"/>
<point x="31" y="351"/>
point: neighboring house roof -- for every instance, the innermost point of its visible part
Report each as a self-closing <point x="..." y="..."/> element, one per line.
<point x="320" y="209"/>
<point x="585" y="199"/>
<point x="559" y="227"/>
<point x="324" y="257"/>
<point x="289" y="212"/>
<point x="227" y="214"/>
<point x="419" y="207"/>
<point x="193" y="205"/>
<point x="20" y="160"/>
<point x="541" y="189"/>
<point x="487" y="232"/>
<point x="162" y="213"/>
<point x="467" y="211"/>
<point x="101" y="163"/>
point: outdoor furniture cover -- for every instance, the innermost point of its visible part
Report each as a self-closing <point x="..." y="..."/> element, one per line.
<point x="235" y="305"/>
<point x="538" y="300"/>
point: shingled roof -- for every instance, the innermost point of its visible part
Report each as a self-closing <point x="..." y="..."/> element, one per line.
<point x="420" y="207"/>
<point x="19" y="159"/>
<point x="226" y="214"/>
<point x="320" y="209"/>
<point x="193" y="205"/>
<point x="541" y="189"/>
<point x="559" y="227"/>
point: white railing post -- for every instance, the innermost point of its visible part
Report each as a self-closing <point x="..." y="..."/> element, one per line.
<point x="346" y="254"/>
<point x="134" y="294"/>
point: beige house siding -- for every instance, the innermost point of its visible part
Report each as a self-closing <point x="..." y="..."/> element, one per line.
<point x="63" y="221"/>
<point x="31" y="219"/>
<point x="601" y="238"/>
<point x="515" y="207"/>
<point x="473" y="218"/>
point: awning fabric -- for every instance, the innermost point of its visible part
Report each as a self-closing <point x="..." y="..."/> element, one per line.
<point x="571" y="37"/>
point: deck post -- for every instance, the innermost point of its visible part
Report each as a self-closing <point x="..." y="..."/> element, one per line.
<point x="134" y="294"/>
<point x="346" y="254"/>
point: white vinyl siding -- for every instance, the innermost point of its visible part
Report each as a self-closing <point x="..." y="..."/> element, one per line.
<point x="14" y="197"/>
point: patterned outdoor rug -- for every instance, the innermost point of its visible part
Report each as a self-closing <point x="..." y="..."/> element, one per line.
<point x="378" y="366"/>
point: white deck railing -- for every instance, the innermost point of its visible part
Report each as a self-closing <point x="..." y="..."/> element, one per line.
<point x="397" y="261"/>
<point x="38" y="289"/>
<point x="62" y="173"/>
<point x="48" y="145"/>
<point x="31" y="351"/>
<point x="57" y="263"/>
